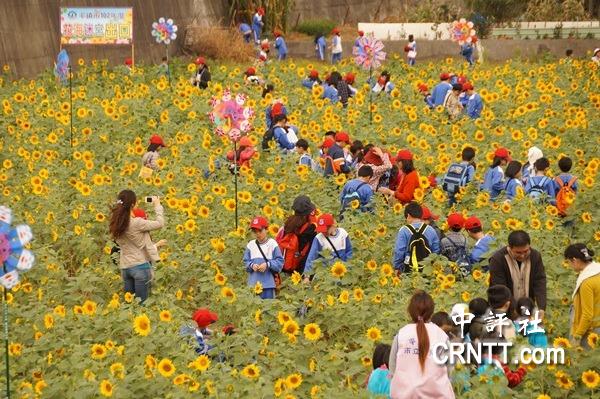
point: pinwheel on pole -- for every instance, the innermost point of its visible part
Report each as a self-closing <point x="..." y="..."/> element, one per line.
<point x="164" y="31"/>
<point x="62" y="71"/>
<point x="462" y="32"/>
<point x="369" y="55"/>
<point x="232" y="118"/>
<point x="14" y="258"/>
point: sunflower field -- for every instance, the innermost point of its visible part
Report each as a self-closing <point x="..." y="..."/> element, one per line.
<point x="73" y="334"/>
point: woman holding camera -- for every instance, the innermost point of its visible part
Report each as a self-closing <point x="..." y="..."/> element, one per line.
<point x="132" y="234"/>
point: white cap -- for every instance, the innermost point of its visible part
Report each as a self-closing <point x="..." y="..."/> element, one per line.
<point x="596" y="50"/>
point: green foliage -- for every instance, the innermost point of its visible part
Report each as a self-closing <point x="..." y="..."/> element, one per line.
<point x="498" y="10"/>
<point x="314" y="27"/>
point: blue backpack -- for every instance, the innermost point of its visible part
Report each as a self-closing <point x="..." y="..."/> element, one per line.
<point x="537" y="190"/>
<point x="348" y="198"/>
<point x="455" y="178"/>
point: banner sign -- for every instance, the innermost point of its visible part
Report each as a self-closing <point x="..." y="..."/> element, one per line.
<point x="88" y="25"/>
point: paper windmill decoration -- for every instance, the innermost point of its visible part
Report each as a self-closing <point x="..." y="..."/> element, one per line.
<point x="230" y="115"/>
<point x="61" y="69"/>
<point x="14" y="258"/>
<point x="462" y="31"/>
<point x="164" y="30"/>
<point x="369" y="53"/>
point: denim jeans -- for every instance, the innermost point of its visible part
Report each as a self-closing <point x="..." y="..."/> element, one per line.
<point x="137" y="280"/>
<point x="336" y="57"/>
<point x="268" y="293"/>
<point x="412" y="61"/>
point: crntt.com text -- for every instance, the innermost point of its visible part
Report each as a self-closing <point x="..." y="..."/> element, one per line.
<point x="468" y="353"/>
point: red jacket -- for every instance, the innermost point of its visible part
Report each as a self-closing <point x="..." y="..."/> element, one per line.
<point x="244" y="158"/>
<point x="406" y="189"/>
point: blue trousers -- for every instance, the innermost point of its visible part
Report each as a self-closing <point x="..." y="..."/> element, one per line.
<point x="336" y="57"/>
<point x="137" y="280"/>
<point x="268" y="293"/>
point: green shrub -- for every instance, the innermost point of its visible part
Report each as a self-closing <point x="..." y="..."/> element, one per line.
<point x="315" y="26"/>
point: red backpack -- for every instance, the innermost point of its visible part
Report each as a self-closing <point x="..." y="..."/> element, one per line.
<point x="565" y="196"/>
<point x="290" y="249"/>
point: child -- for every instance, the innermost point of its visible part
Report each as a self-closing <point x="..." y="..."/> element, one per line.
<point x="452" y="103"/>
<point x="330" y="91"/>
<point x="203" y="318"/>
<point x="411" y="50"/>
<point x="312" y="80"/>
<point x="513" y="179"/>
<point x="483" y="241"/>
<point x="129" y="64"/>
<point x="424" y="90"/>
<point x="533" y="154"/>
<point x="479" y="308"/>
<point x="379" y="383"/>
<point x="263" y="54"/>
<point x="474" y="103"/>
<point x="359" y="39"/>
<point x="284" y="135"/>
<point x="358" y="190"/>
<point x="459" y="174"/>
<point x="383" y="84"/>
<point x="493" y="181"/>
<point x="350" y="78"/>
<point x="336" y="46"/>
<point x="320" y="45"/>
<point x="526" y="311"/>
<point x="262" y="259"/>
<point x="251" y="78"/>
<point x="150" y="158"/>
<point x="244" y="154"/>
<point x="441" y="89"/>
<point x="430" y="220"/>
<point x="330" y="237"/>
<point x="565" y="186"/>
<point x="277" y="108"/>
<point x="305" y="158"/>
<point x="493" y="367"/>
<point x="202" y="76"/>
<point x="499" y="298"/>
<point x="454" y="245"/>
<point x="246" y="32"/>
<point x="466" y="50"/>
<point x="257" y="24"/>
<point x="444" y="321"/>
<point x="280" y="46"/>
<point x="539" y="185"/>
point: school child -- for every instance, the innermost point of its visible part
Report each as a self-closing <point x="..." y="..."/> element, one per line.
<point x="534" y="333"/>
<point x="330" y="134"/>
<point x="262" y="258"/>
<point x="359" y="38"/>
<point x="493" y="180"/>
<point x="330" y="237"/>
<point x="285" y="136"/>
<point x="150" y="158"/>
<point x="129" y="64"/>
<point x="431" y="220"/>
<point x="411" y="51"/>
<point x="474" y="102"/>
<point x="202" y="76"/>
<point x="203" y="318"/>
<point x="479" y="308"/>
<point x="320" y="45"/>
<point x="281" y="46"/>
<point x="336" y="46"/>
<point x="263" y="54"/>
<point x="405" y="192"/>
<point x="427" y="98"/>
<point x="257" y="24"/>
<point x="539" y="185"/>
<point x="342" y="140"/>
<point x="273" y="110"/>
<point x="499" y="298"/>
<point x="251" y="78"/>
<point x="454" y="244"/>
<point x="335" y="157"/>
<point x="379" y="383"/>
<point x="459" y="174"/>
<point x="452" y="103"/>
<point x="492" y="366"/>
<point x="349" y="78"/>
<point x="246" y="32"/>
<point x="330" y="91"/>
<point x="305" y="158"/>
<point x="244" y="153"/>
<point x="533" y="154"/>
<point x="414" y="242"/>
<point x="565" y="186"/>
<point x="441" y="89"/>
<point x="311" y="80"/>
<point x="444" y="321"/>
<point x="466" y="50"/>
<point x="358" y="190"/>
<point x="483" y="242"/>
<point x="513" y="179"/>
<point x="383" y="84"/>
<point x="354" y="153"/>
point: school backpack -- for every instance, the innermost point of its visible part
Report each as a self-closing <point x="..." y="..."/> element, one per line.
<point x="267" y="138"/>
<point x="455" y="178"/>
<point x="289" y="244"/>
<point x="461" y="257"/>
<point x="418" y="247"/>
<point x="537" y="190"/>
<point x="565" y="196"/>
<point x="354" y="195"/>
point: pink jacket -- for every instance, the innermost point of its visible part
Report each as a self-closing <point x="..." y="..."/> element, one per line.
<point x="408" y="382"/>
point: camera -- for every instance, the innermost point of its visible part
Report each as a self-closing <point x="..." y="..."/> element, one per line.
<point x="148" y="199"/>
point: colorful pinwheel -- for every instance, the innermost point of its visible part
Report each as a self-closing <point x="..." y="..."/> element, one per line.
<point x="369" y="53"/>
<point x="462" y="31"/>
<point x="14" y="258"/>
<point x="164" y="30"/>
<point x="230" y="115"/>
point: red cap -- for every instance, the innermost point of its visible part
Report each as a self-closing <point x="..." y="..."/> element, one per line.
<point x="422" y="87"/>
<point x="139" y="213"/>
<point x="474" y="39"/>
<point x="472" y="222"/>
<point x="467" y="86"/>
<point x="432" y="180"/>
<point x="259" y="223"/>
<point x="245" y="142"/>
<point x="361" y="33"/>
<point x="260" y="11"/>
<point x="328" y="143"/>
<point x="276" y="109"/>
<point x="229" y="329"/>
<point x="335" y="31"/>
<point x="461" y="79"/>
<point x="204" y="317"/>
<point x="314" y="74"/>
<point x="350" y="78"/>
<point x="200" y="61"/>
<point x="342" y="136"/>
<point x="404" y="155"/>
<point x="156" y="139"/>
<point x="444" y="76"/>
<point x="502" y="153"/>
<point x="324" y="222"/>
<point x="250" y="71"/>
<point x="381" y="81"/>
<point x="456" y="220"/>
<point x="276" y="33"/>
<point x="128" y="61"/>
<point x="427" y="215"/>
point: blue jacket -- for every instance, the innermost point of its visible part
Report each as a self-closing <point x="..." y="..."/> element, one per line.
<point x="281" y="46"/>
<point x="257" y="26"/>
<point x="245" y="28"/>
<point x="321" y="45"/>
<point x="268" y="114"/>
<point x="331" y="93"/>
<point x="493" y="181"/>
<point x="511" y="188"/>
<point x="379" y="383"/>
<point x="309" y="83"/>
<point x="439" y="93"/>
<point x="280" y="136"/>
<point x="401" y="251"/>
<point x="549" y="186"/>
<point x="252" y="256"/>
<point x="428" y="100"/>
<point x="565" y="177"/>
<point x="341" y="242"/>
<point x="480" y="248"/>
<point x="537" y="339"/>
<point x="361" y="189"/>
<point x="474" y="106"/>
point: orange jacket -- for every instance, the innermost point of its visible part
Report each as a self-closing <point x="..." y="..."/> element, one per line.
<point x="406" y="189"/>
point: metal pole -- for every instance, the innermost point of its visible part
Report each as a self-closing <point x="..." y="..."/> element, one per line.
<point x="235" y="173"/>
<point x="168" y="66"/>
<point x="6" y="357"/>
<point x="370" y="94"/>
<point x="71" y="104"/>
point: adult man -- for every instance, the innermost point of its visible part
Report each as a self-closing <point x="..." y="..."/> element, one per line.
<point x="521" y="269"/>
